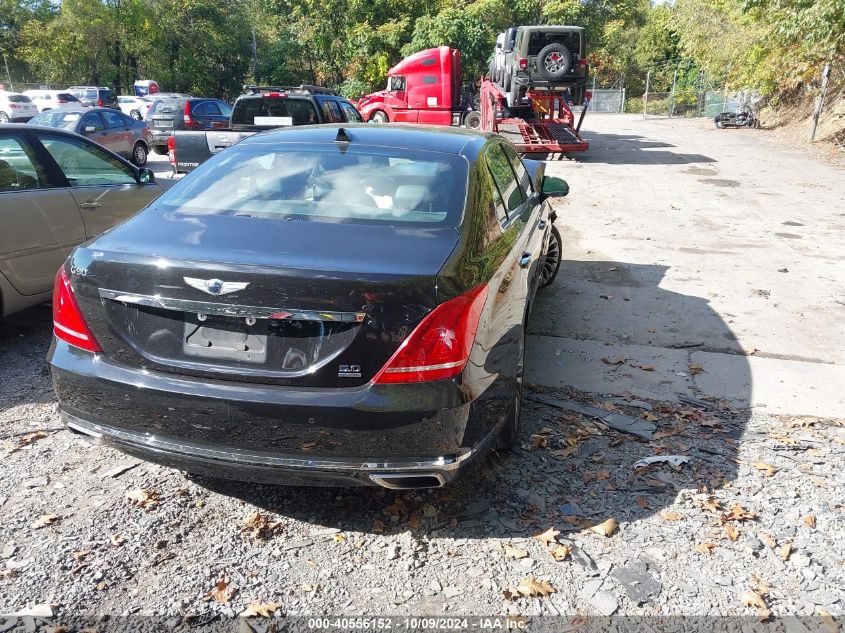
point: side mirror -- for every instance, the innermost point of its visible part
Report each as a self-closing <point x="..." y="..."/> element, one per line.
<point x="146" y="176"/>
<point x="90" y="128"/>
<point x="554" y="187"/>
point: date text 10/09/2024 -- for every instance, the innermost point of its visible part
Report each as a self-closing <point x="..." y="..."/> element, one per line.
<point x="419" y="624"/>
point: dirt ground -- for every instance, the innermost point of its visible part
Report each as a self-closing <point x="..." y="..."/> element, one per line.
<point x="699" y="264"/>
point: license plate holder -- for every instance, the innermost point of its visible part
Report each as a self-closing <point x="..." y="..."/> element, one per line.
<point x="225" y="338"/>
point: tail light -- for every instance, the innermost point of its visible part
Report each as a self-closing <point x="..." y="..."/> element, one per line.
<point x="61" y="100"/>
<point x="100" y="102"/>
<point x="523" y="63"/>
<point x="275" y="95"/>
<point x="186" y="117"/>
<point x="68" y="322"/>
<point x="171" y="149"/>
<point x="439" y="347"/>
<point x="14" y="106"/>
<point x="588" y="95"/>
<point x="582" y="63"/>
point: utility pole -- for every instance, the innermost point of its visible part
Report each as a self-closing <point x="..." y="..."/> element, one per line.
<point x="820" y="102"/>
<point x="672" y="97"/>
<point x="254" y="56"/>
<point x="645" y="96"/>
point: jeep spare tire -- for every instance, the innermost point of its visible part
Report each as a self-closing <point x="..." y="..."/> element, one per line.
<point x="555" y="61"/>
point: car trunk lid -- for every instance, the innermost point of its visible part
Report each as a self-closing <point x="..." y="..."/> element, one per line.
<point x="294" y="303"/>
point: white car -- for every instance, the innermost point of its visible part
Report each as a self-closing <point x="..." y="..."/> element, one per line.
<point x="16" y="107"/>
<point x="136" y="107"/>
<point x="51" y="99"/>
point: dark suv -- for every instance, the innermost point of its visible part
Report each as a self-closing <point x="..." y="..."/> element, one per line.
<point x="546" y="57"/>
<point x="100" y="97"/>
<point x="185" y="113"/>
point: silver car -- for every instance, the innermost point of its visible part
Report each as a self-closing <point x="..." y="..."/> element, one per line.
<point x="113" y="130"/>
<point x="57" y="189"/>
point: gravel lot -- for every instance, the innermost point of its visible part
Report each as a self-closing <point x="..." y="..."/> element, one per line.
<point x="752" y="523"/>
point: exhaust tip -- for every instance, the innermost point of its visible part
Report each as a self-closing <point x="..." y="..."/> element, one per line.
<point x="399" y="481"/>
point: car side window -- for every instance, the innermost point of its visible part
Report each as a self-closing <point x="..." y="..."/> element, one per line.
<point x="19" y="170"/>
<point x="113" y="119"/>
<point x="519" y="169"/>
<point x="351" y="113"/>
<point x="85" y="164"/>
<point x="207" y="108"/>
<point x="331" y="112"/>
<point x="92" y="119"/>
<point x="508" y="187"/>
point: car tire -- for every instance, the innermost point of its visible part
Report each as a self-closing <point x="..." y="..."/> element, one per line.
<point x="4" y="118"/>
<point x="554" y="61"/>
<point x="136" y="115"/>
<point x="508" y="438"/>
<point x="379" y="116"/>
<point x="161" y="150"/>
<point x="506" y="82"/>
<point x="473" y="120"/>
<point x="720" y="125"/>
<point x="552" y="258"/>
<point x="139" y="155"/>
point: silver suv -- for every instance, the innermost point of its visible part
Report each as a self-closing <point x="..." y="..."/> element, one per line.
<point x="546" y="57"/>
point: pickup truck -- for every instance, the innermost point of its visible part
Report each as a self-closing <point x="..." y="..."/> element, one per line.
<point x="260" y="108"/>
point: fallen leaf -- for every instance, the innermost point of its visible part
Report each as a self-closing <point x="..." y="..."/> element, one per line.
<point x="784" y="439"/>
<point x="147" y="499"/>
<point x="604" y="296"/>
<point x="78" y="555"/>
<point x="117" y="540"/>
<point x="616" y="360"/>
<point x="671" y="515"/>
<point x="607" y="528"/>
<point x="768" y="539"/>
<point x="29" y="438"/>
<point x="258" y="526"/>
<point x="414" y="522"/>
<point x="514" y="552"/>
<point x="309" y="587"/>
<point x="339" y="538"/>
<point x="767" y="469"/>
<point x="732" y="532"/>
<point x="378" y="527"/>
<point x="751" y="598"/>
<point x="102" y="586"/>
<point x="648" y="415"/>
<point x="260" y="609"/>
<point x="560" y="552"/>
<point x="695" y="368"/>
<point x="705" y="548"/>
<point x="59" y="628"/>
<point x="810" y="521"/>
<point x="710" y="503"/>
<point x="222" y="593"/>
<point x="529" y="588"/>
<point x="737" y="513"/>
<point x="643" y="503"/>
<point x="44" y="520"/>
<point x="548" y="536"/>
<point x="539" y="441"/>
<point x="784" y="551"/>
<point x="646" y="367"/>
<point x="569" y="451"/>
<point x="7" y="573"/>
<point x="652" y="330"/>
<point x="601" y="475"/>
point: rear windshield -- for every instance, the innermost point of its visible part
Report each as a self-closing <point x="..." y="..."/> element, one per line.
<point x="59" y="119"/>
<point x="167" y="106"/>
<point x="19" y="99"/>
<point x="273" y="112"/>
<point x="322" y="183"/>
<point x="66" y="96"/>
<point x="539" y="40"/>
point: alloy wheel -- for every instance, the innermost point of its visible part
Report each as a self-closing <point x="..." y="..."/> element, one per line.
<point x="554" y="62"/>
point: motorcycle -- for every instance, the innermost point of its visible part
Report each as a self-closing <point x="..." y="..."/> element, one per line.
<point x="744" y="118"/>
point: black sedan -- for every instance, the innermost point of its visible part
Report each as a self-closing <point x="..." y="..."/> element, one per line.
<point x="333" y="305"/>
<point x="112" y="129"/>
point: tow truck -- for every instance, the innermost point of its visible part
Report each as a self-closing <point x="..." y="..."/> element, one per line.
<point x="426" y="88"/>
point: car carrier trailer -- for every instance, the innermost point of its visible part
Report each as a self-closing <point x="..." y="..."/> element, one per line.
<point x="544" y="124"/>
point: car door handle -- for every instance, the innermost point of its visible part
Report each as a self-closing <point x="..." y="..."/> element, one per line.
<point x="90" y="205"/>
<point x="541" y="224"/>
<point x="525" y="260"/>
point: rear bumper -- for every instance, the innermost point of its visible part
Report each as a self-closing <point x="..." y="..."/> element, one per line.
<point x="160" y="137"/>
<point x="365" y="435"/>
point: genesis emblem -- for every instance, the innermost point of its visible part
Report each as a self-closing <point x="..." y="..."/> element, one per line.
<point x="215" y="287"/>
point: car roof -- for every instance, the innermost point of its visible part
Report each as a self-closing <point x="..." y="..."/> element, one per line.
<point x="552" y="27"/>
<point x="26" y="127"/>
<point x="447" y="140"/>
<point x="6" y="93"/>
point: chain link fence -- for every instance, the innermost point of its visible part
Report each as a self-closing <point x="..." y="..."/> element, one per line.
<point x="608" y="99"/>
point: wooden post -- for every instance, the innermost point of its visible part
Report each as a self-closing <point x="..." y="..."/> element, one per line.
<point x="672" y="96"/>
<point x="820" y="102"/>
<point x="645" y="96"/>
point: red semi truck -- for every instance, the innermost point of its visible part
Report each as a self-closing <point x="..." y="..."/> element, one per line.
<point x="426" y="88"/>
